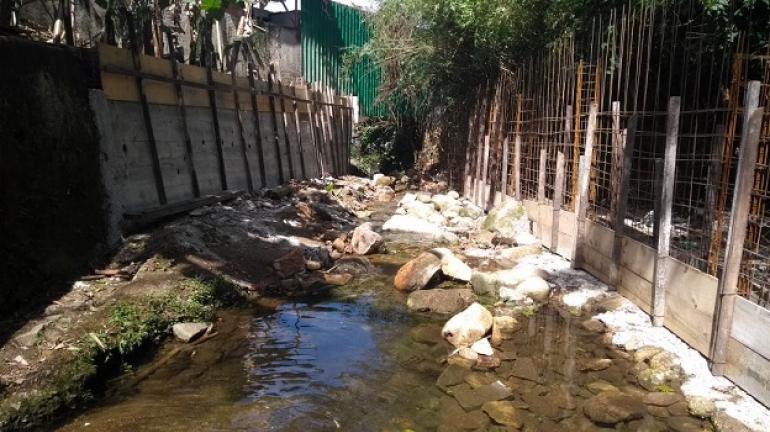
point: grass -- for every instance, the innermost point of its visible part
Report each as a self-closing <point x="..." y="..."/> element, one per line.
<point x="129" y="326"/>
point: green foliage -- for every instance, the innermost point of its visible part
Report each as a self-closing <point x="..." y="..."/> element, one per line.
<point x="374" y="148"/>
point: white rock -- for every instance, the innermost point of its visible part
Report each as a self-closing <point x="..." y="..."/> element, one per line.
<point x="364" y="240"/>
<point x="443" y="202"/>
<point x="453" y="194"/>
<point x="468" y="354"/>
<point x="407" y="198"/>
<point x="468" y="326"/>
<point x="525" y="239"/>
<point x="423" y="197"/>
<point x="436" y="219"/>
<point x="535" y="288"/>
<point x="452" y="266"/>
<point x="188" y="331"/>
<point x="482" y="347"/>
<point x="413" y="224"/>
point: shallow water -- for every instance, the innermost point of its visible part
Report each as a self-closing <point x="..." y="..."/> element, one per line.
<point x="358" y="361"/>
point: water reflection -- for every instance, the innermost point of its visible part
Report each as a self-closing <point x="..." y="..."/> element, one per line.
<point x="303" y="349"/>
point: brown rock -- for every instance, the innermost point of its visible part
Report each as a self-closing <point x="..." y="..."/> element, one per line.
<point x="339" y="243"/>
<point x="364" y="240"/>
<point x="662" y="399"/>
<point x="613" y="407"/>
<point x="416" y="273"/>
<point x="439" y="300"/>
<point x="504" y="413"/>
<point x="290" y="264"/>
<point x="338" y="278"/>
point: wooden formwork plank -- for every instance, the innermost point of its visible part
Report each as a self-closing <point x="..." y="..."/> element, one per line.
<point x="299" y="133"/>
<point x="558" y="198"/>
<point x="749" y="370"/>
<point x="239" y="122"/>
<point x="257" y="127"/>
<point x="285" y="128"/>
<point x="217" y="133"/>
<point x="690" y="301"/>
<point x="274" y="123"/>
<point x="750" y="324"/>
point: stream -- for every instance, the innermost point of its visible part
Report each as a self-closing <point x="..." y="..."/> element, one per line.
<point x="358" y="360"/>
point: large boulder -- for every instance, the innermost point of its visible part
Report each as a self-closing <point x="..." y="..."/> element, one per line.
<point x="507" y="218"/>
<point x="416" y="273"/>
<point x="421" y="210"/>
<point x="443" y="202"/>
<point x="386" y="194"/>
<point x="453" y="267"/>
<point x="611" y="407"/>
<point x="443" y="301"/>
<point x="364" y="240"/>
<point x="189" y="331"/>
<point x="413" y="224"/>
<point x="484" y="282"/>
<point x="468" y="326"/>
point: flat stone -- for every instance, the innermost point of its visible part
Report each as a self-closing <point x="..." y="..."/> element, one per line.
<point x="483" y="347"/>
<point x="338" y="279"/>
<point x="595" y="365"/>
<point x="189" y="331"/>
<point x="700" y="406"/>
<point x="485" y="362"/>
<point x="427" y="333"/>
<point x="452" y="417"/>
<point x="439" y="300"/>
<point x="658" y="411"/>
<point x="484" y="283"/>
<point x="601" y="386"/>
<point x="452" y="376"/>
<point x="685" y="424"/>
<point x="475" y="398"/>
<point x="593" y="325"/>
<point x="290" y="264"/>
<point x="504" y="413"/>
<point x="645" y="353"/>
<point x="525" y="368"/>
<point x="478" y="379"/>
<point x="613" y="407"/>
<point x="662" y="399"/>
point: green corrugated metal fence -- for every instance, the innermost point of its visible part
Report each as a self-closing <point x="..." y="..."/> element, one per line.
<point x="329" y="30"/>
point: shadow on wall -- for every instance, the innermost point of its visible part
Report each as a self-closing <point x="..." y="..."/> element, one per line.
<point x="51" y="198"/>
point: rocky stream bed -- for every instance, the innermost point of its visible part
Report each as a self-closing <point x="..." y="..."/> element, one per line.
<point x="378" y="305"/>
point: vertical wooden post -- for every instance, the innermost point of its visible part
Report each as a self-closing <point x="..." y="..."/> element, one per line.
<point x="299" y="132"/>
<point x="667" y="202"/>
<point x="239" y="121"/>
<point x="257" y="127"/>
<point x="183" y="116"/>
<point x="274" y="122"/>
<point x="517" y="151"/>
<point x="314" y="131"/>
<point x="558" y="200"/>
<point x="616" y="160"/>
<point x="146" y="118"/>
<point x="215" y="121"/>
<point x="541" y="177"/>
<point x="627" y="142"/>
<point x="739" y="216"/>
<point x="504" y="174"/>
<point x="285" y="126"/>
<point x="484" y="171"/>
<point x="584" y="178"/>
<point x="714" y="180"/>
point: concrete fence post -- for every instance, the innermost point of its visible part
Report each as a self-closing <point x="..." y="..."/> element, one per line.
<point x="558" y="200"/>
<point x="739" y="217"/>
<point x="666" y="207"/>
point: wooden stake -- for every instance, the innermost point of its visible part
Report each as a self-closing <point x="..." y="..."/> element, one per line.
<point x="517" y="151"/>
<point x="257" y="127"/>
<point x="156" y="171"/>
<point x="541" y="177"/>
<point x="299" y="133"/>
<point x="284" y="125"/>
<point x="504" y="174"/>
<point x="274" y="122"/>
<point x="239" y="122"/>
<point x="558" y="200"/>
<point x="183" y="116"/>
<point x="739" y="216"/>
<point x="583" y="184"/>
<point x="217" y="135"/>
<point x="627" y="143"/>
<point x="667" y="201"/>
